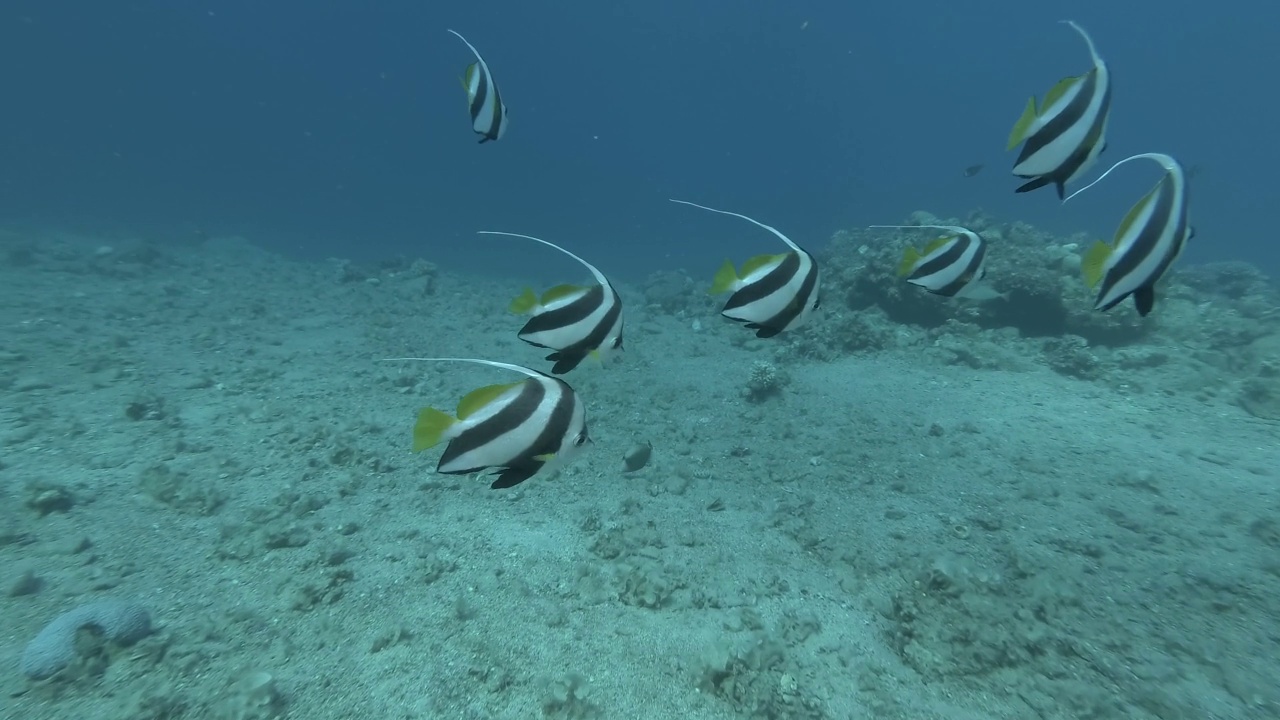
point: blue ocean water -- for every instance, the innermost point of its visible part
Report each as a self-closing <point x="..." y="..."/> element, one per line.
<point x="338" y="128"/>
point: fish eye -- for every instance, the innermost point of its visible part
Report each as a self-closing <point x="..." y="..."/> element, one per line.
<point x="580" y="440"/>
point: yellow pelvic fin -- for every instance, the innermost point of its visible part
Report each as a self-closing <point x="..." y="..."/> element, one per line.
<point x="560" y="292"/>
<point x="430" y="429"/>
<point x="1023" y="125"/>
<point x="909" y="260"/>
<point x="1094" y="259"/>
<point x="1057" y="91"/>
<point x="545" y="457"/>
<point x="475" y="400"/>
<point x="724" y="280"/>
<point x="937" y="244"/>
<point x="524" y="303"/>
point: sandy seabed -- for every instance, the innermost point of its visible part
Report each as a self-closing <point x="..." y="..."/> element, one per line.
<point x="212" y="433"/>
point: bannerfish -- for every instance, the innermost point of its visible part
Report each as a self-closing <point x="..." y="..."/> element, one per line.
<point x="1150" y="238"/>
<point x="574" y="321"/>
<point x="488" y="113"/>
<point x="517" y="429"/>
<point x="952" y="266"/>
<point x="1063" y="138"/>
<point x="771" y="293"/>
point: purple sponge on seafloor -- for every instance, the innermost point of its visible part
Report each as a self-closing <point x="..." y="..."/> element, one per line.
<point x="55" y="647"/>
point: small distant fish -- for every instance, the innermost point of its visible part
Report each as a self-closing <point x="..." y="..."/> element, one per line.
<point x="1150" y="238"/>
<point x="1066" y="134"/>
<point x="952" y="266"/>
<point x="973" y="170"/>
<point x="772" y="293"/>
<point x="518" y="429"/>
<point x="574" y="321"/>
<point x="637" y="457"/>
<point x="488" y="113"/>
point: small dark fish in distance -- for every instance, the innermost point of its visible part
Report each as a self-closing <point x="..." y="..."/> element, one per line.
<point x="973" y="170"/>
<point x="637" y="457"/>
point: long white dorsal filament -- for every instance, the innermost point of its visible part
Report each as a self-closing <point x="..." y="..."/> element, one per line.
<point x="1152" y="156"/>
<point x="492" y="363"/>
<point x="952" y="228"/>
<point x="770" y="228"/>
<point x="599" y="276"/>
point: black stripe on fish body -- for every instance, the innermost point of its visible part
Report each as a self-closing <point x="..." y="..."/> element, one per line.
<point x="585" y="338"/>
<point x="971" y="271"/>
<point x="570" y="357"/>
<point x="954" y="253"/>
<point x="808" y="292"/>
<point x="1068" y="169"/>
<point x="1146" y="244"/>
<point x="482" y="95"/>
<point x="1056" y="127"/>
<point x="1144" y="297"/>
<point x="1081" y="155"/>
<point x="567" y="316"/>
<point x="773" y="281"/>
<point x="515" y="474"/>
<point x="498" y="119"/>
<point x="488" y="126"/>
<point x="548" y="442"/>
<point x="970" y="275"/>
<point x="1040" y="182"/>
<point x="1070" y="116"/>
<point x="507" y="420"/>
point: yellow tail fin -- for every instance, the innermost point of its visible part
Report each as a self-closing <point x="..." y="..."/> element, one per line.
<point x="524" y="303"/>
<point x="724" y="280"/>
<point x="430" y="429"/>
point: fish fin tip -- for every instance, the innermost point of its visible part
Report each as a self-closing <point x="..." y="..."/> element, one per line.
<point x="1092" y="263"/>
<point x="524" y="303"/>
<point x="477" y="399"/>
<point x="1144" y="299"/>
<point x="910" y="257"/>
<point x="725" y="279"/>
<point x="1022" y="128"/>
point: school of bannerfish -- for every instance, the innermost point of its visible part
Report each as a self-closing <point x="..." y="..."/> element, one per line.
<point x="538" y="424"/>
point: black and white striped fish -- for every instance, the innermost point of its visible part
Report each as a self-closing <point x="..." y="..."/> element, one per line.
<point x="517" y="429"/>
<point x="574" y="321"/>
<point x="953" y="265"/>
<point x="488" y="113"/>
<point x="1150" y="238"/>
<point x="771" y="293"/>
<point x="1063" y="138"/>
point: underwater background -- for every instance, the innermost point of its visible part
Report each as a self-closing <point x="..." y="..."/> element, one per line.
<point x="219" y="219"/>
<point x="317" y="123"/>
